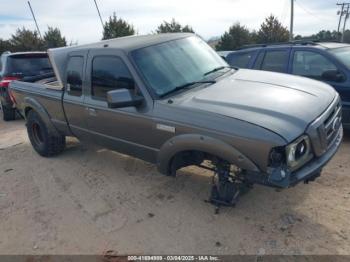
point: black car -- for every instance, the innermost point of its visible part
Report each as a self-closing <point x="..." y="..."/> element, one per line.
<point x="327" y="62"/>
<point x="14" y="66"/>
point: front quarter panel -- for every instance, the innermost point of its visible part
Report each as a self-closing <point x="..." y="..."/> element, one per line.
<point x="244" y="144"/>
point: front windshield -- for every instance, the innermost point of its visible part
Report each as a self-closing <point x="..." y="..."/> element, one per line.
<point x="172" y="64"/>
<point x="343" y="54"/>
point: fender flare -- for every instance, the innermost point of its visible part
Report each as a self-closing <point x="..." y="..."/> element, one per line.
<point x="40" y="109"/>
<point x="206" y="144"/>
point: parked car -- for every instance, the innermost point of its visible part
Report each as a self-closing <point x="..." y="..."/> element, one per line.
<point x="171" y="100"/>
<point x="224" y="54"/>
<point x="327" y="62"/>
<point x="14" y="66"/>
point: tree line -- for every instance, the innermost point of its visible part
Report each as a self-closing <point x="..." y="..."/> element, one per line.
<point x="27" y="40"/>
<point x="271" y="30"/>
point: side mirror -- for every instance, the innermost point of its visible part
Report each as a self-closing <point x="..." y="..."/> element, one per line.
<point x="123" y="98"/>
<point x="333" y="75"/>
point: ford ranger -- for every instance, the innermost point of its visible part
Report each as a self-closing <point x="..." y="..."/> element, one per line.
<point x="171" y="100"/>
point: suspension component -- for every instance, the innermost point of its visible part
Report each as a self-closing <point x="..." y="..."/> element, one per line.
<point x="227" y="186"/>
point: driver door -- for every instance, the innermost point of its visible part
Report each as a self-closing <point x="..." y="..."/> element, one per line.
<point x="123" y="129"/>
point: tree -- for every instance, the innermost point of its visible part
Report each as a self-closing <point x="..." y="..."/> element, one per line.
<point x="5" y="45"/>
<point x="53" y="38"/>
<point x="173" y="27"/>
<point x="323" y="35"/>
<point x="26" y="40"/>
<point x="234" y="38"/>
<point x="117" y="27"/>
<point x="346" y="36"/>
<point x="272" y="31"/>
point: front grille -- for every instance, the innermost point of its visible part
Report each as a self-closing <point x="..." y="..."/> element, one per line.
<point x="332" y="124"/>
<point x="323" y="130"/>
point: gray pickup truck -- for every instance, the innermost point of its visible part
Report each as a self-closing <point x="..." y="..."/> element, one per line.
<point x="172" y="101"/>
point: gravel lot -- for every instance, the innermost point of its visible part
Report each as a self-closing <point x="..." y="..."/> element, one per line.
<point x="90" y="200"/>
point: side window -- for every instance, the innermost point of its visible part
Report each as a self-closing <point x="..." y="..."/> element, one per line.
<point x="275" y="61"/>
<point x="75" y="75"/>
<point x="240" y="60"/>
<point x="311" y="64"/>
<point x="109" y="73"/>
<point x="258" y="61"/>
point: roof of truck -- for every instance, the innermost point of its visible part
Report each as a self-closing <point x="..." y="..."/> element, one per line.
<point x="58" y="56"/>
<point x="129" y="43"/>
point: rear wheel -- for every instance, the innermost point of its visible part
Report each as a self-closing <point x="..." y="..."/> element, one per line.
<point x="8" y="113"/>
<point x="45" y="142"/>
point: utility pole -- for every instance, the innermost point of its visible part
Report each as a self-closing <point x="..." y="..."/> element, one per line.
<point x="340" y="13"/>
<point x="345" y="8"/>
<point x="37" y="27"/>
<point x="99" y="14"/>
<point x="345" y="19"/>
<point x="291" y="20"/>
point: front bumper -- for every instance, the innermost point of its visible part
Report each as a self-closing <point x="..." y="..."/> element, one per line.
<point x="308" y="172"/>
<point x="314" y="168"/>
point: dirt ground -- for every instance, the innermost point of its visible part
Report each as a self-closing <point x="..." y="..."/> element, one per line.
<point x="88" y="201"/>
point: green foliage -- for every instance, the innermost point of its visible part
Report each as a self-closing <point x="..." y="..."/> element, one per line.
<point x="5" y="45"/>
<point x="26" y="40"/>
<point x="346" y="36"/>
<point x="53" y="38"/>
<point x="323" y="35"/>
<point x="234" y="38"/>
<point x="173" y="27"/>
<point x="117" y="27"/>
<point x="272" y="31"/>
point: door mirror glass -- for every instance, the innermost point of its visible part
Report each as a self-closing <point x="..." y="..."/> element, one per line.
<point x="123" y="98"/>
<point x="333" y="75"/>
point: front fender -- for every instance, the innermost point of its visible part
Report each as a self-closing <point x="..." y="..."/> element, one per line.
<point x="206" y="144"/>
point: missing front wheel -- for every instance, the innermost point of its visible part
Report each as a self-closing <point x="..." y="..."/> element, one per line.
<point x="227" y="186"/>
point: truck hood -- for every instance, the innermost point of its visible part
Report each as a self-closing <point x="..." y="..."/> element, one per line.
<point x="282" y="103"/>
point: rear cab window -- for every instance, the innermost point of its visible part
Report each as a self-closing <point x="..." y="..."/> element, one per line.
<point x="26" y="65"/>
<point x="74" y="75"/>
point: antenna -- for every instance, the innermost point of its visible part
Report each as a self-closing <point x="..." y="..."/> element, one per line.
<point x="37" y="27"/>
<point x="99" y="14"/>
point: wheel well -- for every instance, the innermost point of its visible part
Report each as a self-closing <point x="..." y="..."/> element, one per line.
<point x="27" y="110"/>
<point x="189" y="158"/>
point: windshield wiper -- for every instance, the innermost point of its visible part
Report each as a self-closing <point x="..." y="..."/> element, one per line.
<point x="218" y="69"/>
<point x="188" y="85"/>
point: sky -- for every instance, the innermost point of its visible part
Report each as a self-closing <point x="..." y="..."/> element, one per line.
<point x="78" y="19"/>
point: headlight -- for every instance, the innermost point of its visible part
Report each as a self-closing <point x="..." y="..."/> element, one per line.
<point x="298" y="152"/>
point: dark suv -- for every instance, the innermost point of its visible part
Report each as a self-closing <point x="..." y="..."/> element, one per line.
<point x="15" y="66"/>
<point x="327" y="62"/>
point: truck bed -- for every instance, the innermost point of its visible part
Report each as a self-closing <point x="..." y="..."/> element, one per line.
<point x="47" y="94"/>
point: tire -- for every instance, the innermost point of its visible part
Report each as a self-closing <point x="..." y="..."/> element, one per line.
<point x="45" y="142"/>
<point x="8" y="114"/>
